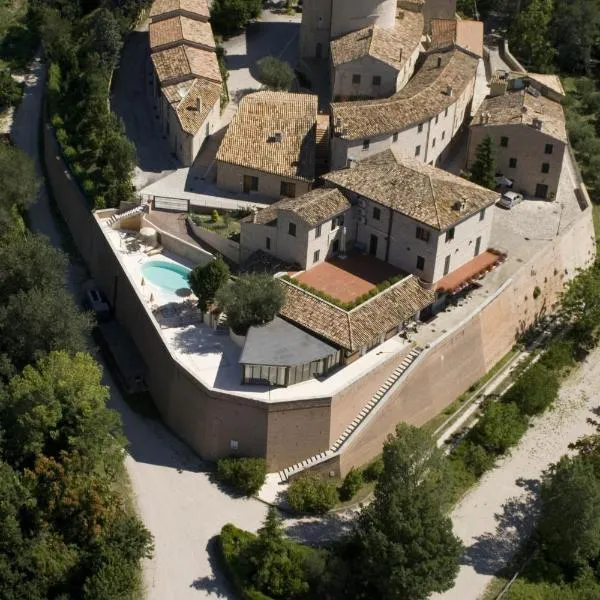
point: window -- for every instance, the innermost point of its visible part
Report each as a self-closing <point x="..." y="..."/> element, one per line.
<point x="420" y="129"/>
<point x="376" y="79"/>
<point x="545" y="167"/>
<point x="512" y="163"/>
<point x="482" y="215"/>
<point x="443" y="135"/>
<point x="433" y="143"/>
<point x="504" y="141"/>
<point x="541" y="191"/>
<point x="447" y="265"/>
<point x="292" y="229"/>
<point x="420" y="263"/>
<point x="450" y="234"/>
<point x="549" y="149"/>
<point x="437" y="118"/>
<point x="395" y="137"/>
<point x="316" y="256"/>
<point x="288" y="189"/>
<point x="337" y="222"/>
<point x="422" y="234"/>
<point x="318" y="231"/>
<point x="376" y="213"/>
<point x="355" y="78"/>
<point x="417" y="150"/>
<point x="366" y="144"/>
<point x="446" y="112"/>
<point x="268" y="243"/>
<point x="250" y="184"/>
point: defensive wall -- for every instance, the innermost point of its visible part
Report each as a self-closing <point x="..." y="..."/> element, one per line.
<point x="287" y="432"/>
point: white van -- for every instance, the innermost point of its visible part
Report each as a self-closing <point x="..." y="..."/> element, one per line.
<point x="510" y="199"/>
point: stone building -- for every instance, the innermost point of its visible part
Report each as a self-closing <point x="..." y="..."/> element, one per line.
<point x="186" y="77"/>
<point x="527" y="124"/>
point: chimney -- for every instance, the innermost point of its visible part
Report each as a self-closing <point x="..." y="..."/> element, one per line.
<point x="439" y="61"/>
<point x="277" y="137"/>
<point x="400" y="14"/>
<point x="449" y="91"/>
<point x="524" y="110"/>
<point x="537" y="123"/>
<point x="198" y="104"/>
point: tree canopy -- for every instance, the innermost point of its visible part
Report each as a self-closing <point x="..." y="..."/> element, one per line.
<point x="231" y="16"/>
<point x="276" y="74"/>
<point x="483" y="169"/>
<point x="205" y="281"/>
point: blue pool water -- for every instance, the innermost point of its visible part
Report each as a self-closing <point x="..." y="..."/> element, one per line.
<point x="168" y="276"/>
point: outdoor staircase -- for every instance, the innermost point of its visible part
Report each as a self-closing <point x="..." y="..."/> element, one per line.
<point x="125" y="215"/>
<point x="379" y="395"/>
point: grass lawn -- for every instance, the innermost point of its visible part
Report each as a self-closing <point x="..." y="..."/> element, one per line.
<point x="223" y="227"/>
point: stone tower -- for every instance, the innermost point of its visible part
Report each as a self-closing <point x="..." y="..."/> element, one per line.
<point x="324" y="20"/>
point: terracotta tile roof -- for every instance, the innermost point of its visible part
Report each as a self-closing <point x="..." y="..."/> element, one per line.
<point x="185" y="62"/>
<point x="521" y="108"/>
<point x="423" y="97"/>
<point x="423" y="193"/>
<point x="184" y="96"/>
<point x="196" y="7"/>
<point x="364" y="324"/>
<point x="390" y="47"/>
<point x="313" y="208"/>
<point x="552" y="82"/>
<point x="251" y="139"/>
<point x="466" y="34"/>
<point x="180" y="30"/>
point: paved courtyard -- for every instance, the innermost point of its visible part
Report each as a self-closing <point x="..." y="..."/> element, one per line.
<point x="348" y="278"/>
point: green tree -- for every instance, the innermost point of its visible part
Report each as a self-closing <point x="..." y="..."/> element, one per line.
<point x="250" y="300"/>
<point x="500" y="427"/>
<point x="18" y="192"/>
<point x="569" y="525"/>
<point x="205" y="281"/>
<point x="483" y="169"/>
<point x="105" y="37"/>
<point x="230" y="16"/>
<point x="534" y="391"/>
<point x="275" y="74"/>
<point x="10" y="90"/>
<point x="529" y="34"/>
<point x="403" y="545"/>
<point x="311" y="493"/>
<point x="276" y="565"/>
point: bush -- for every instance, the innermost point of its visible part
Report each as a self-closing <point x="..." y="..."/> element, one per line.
<point x="214" y="216"/>
<point x="246" y="475"/>
<point x="10" y="90"/>
<point x="373" y="470"/>
<point x="500" y="427"/>
<point x="229" y="16"/>
<point x="558" y="355"/>
<point x="352" y="483"/>
<point x="312" y="494"/>
<point x="205" y="281"/>
<point x="534" y="391"/>
<point x="275" y="74"/>
<point x="475" y="458"/>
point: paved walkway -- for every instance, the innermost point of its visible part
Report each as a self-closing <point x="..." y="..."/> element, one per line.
<point x="497" y="515"/>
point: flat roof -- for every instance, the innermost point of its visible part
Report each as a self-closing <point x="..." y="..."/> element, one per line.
<point x="281" y="344"/>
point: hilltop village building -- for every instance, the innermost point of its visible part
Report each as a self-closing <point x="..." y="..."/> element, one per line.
<point x="524" y="117"/>
<point x="187" y="82"/>
<point x="270" y="146"/>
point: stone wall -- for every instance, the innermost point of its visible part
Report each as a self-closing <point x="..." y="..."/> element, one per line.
<point x="228" y="248"/>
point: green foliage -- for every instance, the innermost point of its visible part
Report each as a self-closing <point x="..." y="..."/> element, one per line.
<point x="403" y="545"/>
<point x="250" y="300"/>
<point x="247" y="475"/>
<point x="558" y="355"/>
<point x="534" y="391"/>
<point x="351" y="484"/>
<point x="214" y="216"/>
<point x="310" y="493"/>
<point x="483" y="169"/>
<point x="276" y="74"/>
<point x="18" y="192"/>
<point x="104" y="37"/>
<point x="230" y="16"/>
<point x="10" y="90"/>
<point x="373" y="470"/>
<point x="474" y="457"/>
<point x="206" y="280"/>
<point x="529" y="34"/>
<point x="501" y="426"/>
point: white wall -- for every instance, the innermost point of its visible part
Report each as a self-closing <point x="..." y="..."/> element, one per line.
<point x="367" y="67"/>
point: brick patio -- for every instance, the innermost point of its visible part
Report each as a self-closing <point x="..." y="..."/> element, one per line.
<point x="347" y="279"/>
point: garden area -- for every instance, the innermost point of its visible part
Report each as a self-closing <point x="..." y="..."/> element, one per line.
<point x="225" y="224"/>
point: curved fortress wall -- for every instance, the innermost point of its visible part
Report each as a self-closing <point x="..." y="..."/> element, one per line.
<point x="350" y="15"/>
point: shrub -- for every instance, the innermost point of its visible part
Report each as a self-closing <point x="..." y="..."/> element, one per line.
<point x="310" y="493"/>
<point x="10" y="90"/>
<point x="500" y="427"/>
<point x="558" y="355"/>
<point x="275" y="74"/>
<point x="373" y="470"/>
<point x="205" y="281"/>
<point x="214" y="216"/>
<point x="474" y="457"/>
<point x="536" y="292"/>
<point x="247" y="475"/>
<point x="534" y="391"/>
<point x="352" y="483"/>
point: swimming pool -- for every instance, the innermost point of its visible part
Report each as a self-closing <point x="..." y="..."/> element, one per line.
<point x="166" y="275"/>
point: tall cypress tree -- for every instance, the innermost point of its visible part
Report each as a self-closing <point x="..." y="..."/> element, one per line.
<point x="483" y="170"/>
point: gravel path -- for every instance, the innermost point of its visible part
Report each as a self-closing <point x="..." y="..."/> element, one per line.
<point x="499" y="513"/>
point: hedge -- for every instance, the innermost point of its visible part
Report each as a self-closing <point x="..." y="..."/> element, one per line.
<point x="311" y="493"/>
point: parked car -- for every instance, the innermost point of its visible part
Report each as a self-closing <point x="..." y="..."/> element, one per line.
<point x="510" y="199"/>
<point x="503" y="182"/>
<point x="95" y="301"/>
